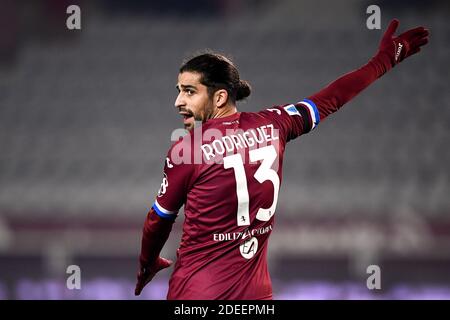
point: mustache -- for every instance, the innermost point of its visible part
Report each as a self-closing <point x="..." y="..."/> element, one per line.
<point x="187" y="111"/>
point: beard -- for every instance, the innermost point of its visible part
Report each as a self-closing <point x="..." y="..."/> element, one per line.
<point x="191" y="117"/>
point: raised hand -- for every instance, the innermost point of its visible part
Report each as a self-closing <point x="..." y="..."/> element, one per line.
<point x="406" y="44"/>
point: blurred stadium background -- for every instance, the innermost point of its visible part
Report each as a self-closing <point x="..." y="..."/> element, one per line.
<point x="85" y="123"/>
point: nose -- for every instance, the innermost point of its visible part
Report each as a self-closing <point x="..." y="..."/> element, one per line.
<point x="179" y="102"/>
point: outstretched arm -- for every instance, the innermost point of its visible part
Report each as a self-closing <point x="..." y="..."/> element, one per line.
<point x="391" y="51"/>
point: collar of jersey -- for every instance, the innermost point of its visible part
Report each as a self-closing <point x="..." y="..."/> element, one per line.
<point x="232" y="117"/>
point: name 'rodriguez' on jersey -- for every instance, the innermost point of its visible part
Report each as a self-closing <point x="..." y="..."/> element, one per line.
<point x="231" y="195"/>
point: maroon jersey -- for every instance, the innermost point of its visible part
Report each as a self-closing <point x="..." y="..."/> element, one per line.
<point x="227" y="174"/>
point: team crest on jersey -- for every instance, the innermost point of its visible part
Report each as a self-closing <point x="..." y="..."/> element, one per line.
<point x="292" y="110"/>
<point x="164" y="184"/>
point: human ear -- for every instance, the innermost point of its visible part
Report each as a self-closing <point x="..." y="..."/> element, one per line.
<point x="220" y="98"/>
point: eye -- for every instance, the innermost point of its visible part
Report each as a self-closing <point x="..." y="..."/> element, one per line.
<point x="190" y="92"/>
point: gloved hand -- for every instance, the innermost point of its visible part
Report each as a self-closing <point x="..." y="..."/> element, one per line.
<point x="146" y="274"/>
<point x="400" y="47"/>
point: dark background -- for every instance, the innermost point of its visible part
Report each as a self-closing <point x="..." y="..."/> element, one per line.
<point x="85" y="123"/>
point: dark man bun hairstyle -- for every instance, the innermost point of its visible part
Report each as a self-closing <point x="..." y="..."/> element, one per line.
<point x="243" y="90"/>
<point x="218" y="72"/>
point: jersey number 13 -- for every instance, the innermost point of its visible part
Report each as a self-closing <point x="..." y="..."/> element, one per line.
<point x="268" y="155"/>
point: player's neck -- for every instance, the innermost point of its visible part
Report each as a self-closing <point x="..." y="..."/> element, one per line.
<point x="224" y="112"/>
